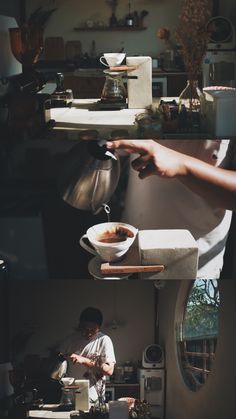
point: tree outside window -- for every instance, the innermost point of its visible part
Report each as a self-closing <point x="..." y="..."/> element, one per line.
<point x="198" y="332"/>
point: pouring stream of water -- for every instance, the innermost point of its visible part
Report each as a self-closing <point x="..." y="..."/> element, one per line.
<point x="107" y="210"/>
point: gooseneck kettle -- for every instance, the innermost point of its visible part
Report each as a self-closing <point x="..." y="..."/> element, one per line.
<point x="90" y="176"/>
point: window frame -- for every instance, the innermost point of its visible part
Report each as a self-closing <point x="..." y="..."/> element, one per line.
<point x="188" y="359"/>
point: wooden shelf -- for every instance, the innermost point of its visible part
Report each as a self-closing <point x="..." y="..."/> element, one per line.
<point x="112" y="28"/>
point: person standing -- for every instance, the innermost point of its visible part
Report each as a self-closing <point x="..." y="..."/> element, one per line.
<point x="90" y="353"/>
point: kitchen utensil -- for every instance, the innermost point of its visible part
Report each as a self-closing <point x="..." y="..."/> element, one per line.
<point x="130" y="264"/>
<point x="58" y="368"/>
<point x="26" y="45"/>
<point x="112" y="58"/>
<point x="67" y="381"/>
<point x="94" y="268"/>
<point x="123" y="68"/>
<point x="90" y="176"/>
<point x="140" y="88"/>
<point x="112" y="251"/>
<point x="114" y="89"/>
<point x="82" y="395"/>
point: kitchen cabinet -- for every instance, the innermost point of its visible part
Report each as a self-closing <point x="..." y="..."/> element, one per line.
<point x="90" y="86"/>
<point x="84" y="87"/>
<point x="124" y="390"/>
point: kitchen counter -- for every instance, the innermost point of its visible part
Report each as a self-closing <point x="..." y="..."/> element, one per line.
<point x="80" y="117"/>
<point x="48" y="414"/>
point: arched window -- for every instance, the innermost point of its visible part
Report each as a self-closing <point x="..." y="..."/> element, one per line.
<point x="198" y="332"/>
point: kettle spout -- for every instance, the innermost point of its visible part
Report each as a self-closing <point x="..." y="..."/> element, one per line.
<point x="102" y="143"/>
<point x="109" y="154"/>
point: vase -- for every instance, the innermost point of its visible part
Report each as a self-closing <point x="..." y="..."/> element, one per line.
<point x="189" y="105"/>
<point x="191" y="95"/>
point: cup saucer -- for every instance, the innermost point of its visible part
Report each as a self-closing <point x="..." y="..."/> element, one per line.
<point x="94" y="268"/>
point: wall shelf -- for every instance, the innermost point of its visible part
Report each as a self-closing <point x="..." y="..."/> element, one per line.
<point x="112" y="28"/>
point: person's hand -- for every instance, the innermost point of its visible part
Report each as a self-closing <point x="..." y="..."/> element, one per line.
<point x="154" y="159"/>
<point x="76" y="359"/>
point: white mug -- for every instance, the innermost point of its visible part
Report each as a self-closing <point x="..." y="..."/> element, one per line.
<point x="108" y="252"/>
<point x="112" y="59"/>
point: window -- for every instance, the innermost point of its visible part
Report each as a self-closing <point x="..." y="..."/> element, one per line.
<point x="198" y="331"/>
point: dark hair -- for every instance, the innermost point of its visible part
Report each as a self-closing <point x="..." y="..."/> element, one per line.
<point x="91" y="314"/>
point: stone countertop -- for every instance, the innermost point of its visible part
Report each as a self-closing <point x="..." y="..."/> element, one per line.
<point x="48" y="414"/>
<point x="79" y="117"/>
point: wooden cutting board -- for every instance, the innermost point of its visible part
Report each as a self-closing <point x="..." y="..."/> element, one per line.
<point x="123" y="68"/>
<point x="73" y="50"/>
<point x="130" y="264"/>
<point x="54" y="48"/>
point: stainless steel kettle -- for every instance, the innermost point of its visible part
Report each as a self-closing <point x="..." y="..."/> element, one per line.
<point x="90" y="176"/>
<point x="58" y="367"/>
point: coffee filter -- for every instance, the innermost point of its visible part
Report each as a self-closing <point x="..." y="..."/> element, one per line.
<point x="98" y="229"/>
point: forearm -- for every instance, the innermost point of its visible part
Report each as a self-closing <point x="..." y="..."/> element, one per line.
<point x="104" y="368"/>
<point x="82" y="360"/>
<point x="216" y="185"/>
<point x="107" y="369"/>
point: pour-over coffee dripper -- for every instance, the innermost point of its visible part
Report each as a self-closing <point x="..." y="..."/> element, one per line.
<point x="114" y="92"/>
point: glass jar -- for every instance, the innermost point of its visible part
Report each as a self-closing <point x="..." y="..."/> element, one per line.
<point x="189" y="106"/>
<point x="191" y="96"/>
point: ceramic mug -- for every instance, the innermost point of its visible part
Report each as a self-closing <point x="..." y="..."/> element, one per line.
<point x="111" y="251"/>
<point x="112" y="59"/>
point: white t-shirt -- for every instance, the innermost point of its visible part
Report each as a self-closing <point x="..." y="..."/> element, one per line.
<point x="101" y="345"/>
<point x="157" y="203"/>
<point x="230" y="260"/>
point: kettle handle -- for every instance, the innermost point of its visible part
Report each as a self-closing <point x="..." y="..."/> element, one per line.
<point x="86" y="246"/>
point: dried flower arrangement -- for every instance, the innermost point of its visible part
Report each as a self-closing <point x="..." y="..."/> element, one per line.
<point x="192" y="35"/>
<point x="163" y="34"/>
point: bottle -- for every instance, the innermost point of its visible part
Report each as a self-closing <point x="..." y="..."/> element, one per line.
<point x="113" y="19"/>
<point x="129" y="21"/>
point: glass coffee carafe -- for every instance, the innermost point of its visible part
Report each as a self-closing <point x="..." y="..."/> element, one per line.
<point x="114" y="90"/>
<point x="67" y="393"/>
<point x="67" y="398"/>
